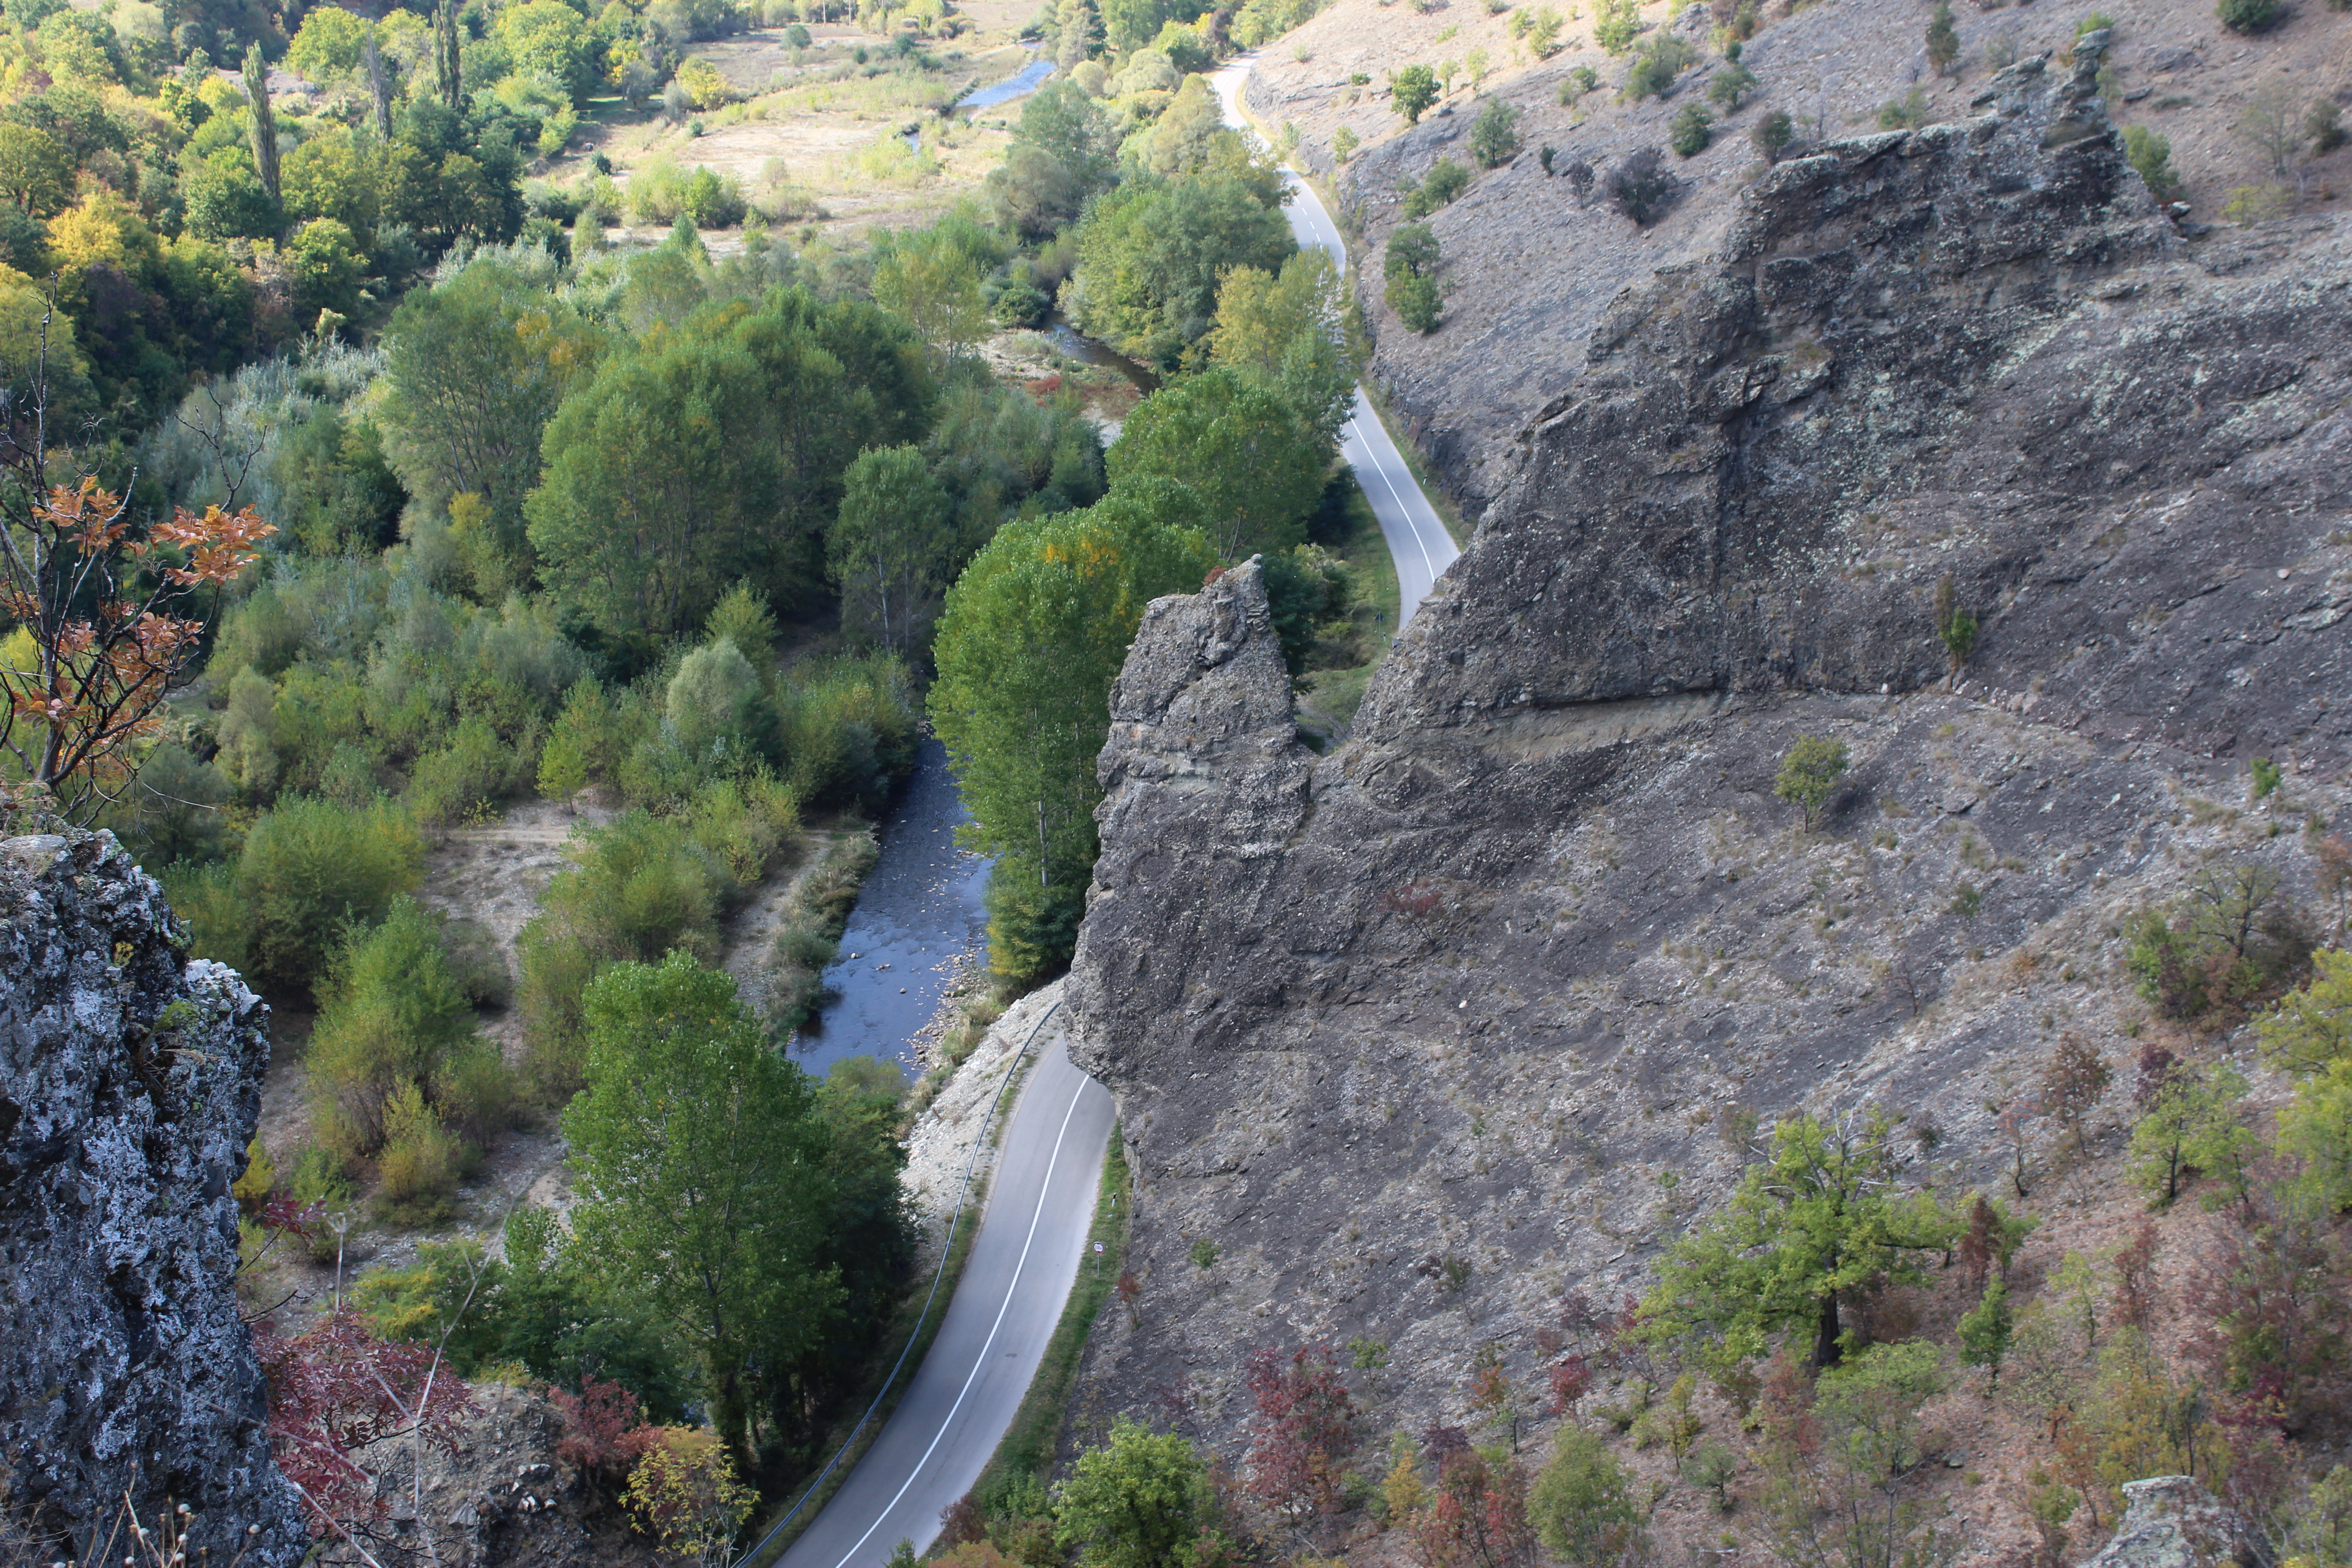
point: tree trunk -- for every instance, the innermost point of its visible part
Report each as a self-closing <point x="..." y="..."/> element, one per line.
<point x="1825" y="1333"/>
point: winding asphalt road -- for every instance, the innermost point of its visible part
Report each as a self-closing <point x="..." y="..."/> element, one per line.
<point x="1041" y="1200"/>
<point x="1416" y="535"/>
<point x="1032" y="1241"/>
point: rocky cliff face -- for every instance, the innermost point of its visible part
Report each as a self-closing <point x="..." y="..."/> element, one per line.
<point x="1425" y="1032"/>
<point x="130" y="1082"/>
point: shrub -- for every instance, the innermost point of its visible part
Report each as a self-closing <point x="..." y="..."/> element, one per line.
<point x="1809" y="772"/>
<point x="1944" y="40"/>
<point x="2323" y="126"/>
<point x="1616" y="24"/>
<point x="474" y="1092"/>
<point x="2228" y="939"/>
<point x="1411" y="262"/>
<point x="2250" y="16"/>
<point x="1653" y="74"/>
<point x="1412" y="89"/>
<point x="849" y="731"/>
<point x="1693" y="129"/>
<point x="1773" y="135"/>
<point x="1446" y="180"/>
<point x="1032" y="928"/>
<point x="2250" y="205"/>
<point x="421" y="1163"/>
<point x="464" y="775"/>
<point x="1729" y="87"/>
<point x="1908" y="113"/>
<point x="1495" y="134"/>
<point x="1639" y="187"/>
<point x="1344" y="142"/>
<point x="1578" y="174"/>
<point x="2191" y="1125"/>
<point x="309" y="866"/>
<point x="392" y="1012"/>
<point x="716" y="706"/>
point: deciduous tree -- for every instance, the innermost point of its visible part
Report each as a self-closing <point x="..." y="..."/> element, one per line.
<point x="891" y="544"/>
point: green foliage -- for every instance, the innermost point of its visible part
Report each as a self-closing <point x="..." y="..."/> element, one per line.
<point x="2192" y="1124"/>
<point x="1033" y="636"/>
<point x="1233" y="453"/>
<point x="890" y="546"/>
<point x="1653" y="71"/>
<point x="1139" y="1501"/>
<point x="306" y="867"/>
<point x="2310" y="1029"/>
<point x="1204" y="1254"/>
<point x="1906" y="113"/>
<point x="702" y="1172"/>
<point x="1446" y="180"/>
<point x="1616" y="24"/>
<point x="1495" y="133"/>
<point x="391" y="1014"/>
<point x="2225" y="943"/>
<point x="1986" y="1328"/>
<point x="1943" y="40"/>
<point x="2249" y="16"/>
<point x="1819" y="1218"/>
<point x="2267" y="776"/>
<point x="1064" y="150"/>
<point x="1955" y="627"/>
<point x="1583" y="1505"/>
<point x="1286" y="333"/>
<point x="1152" y="252"/>
<point x="1412" y="89"/>
<point x="1727" y="88"/>
<point x="1839" y="1498"/>
<point x="1773" y="135"/>
<point x="1410" y="263"/>
<point x="1809" y="772"/>
<point x="1692" y="129"/>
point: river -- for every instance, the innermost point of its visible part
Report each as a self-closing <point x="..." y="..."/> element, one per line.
<point x="1024" y="81"/>
<point x="920" y="913"/>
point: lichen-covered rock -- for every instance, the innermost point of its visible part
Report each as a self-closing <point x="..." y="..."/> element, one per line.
<point x="2170" y="1521"/>
<point x="130" y="1083"/>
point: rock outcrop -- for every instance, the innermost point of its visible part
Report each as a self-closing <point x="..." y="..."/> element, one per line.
<point x="1442" y="1023"/>
<point x="2170" y="1521"/>
<point x="130" y="1083"/>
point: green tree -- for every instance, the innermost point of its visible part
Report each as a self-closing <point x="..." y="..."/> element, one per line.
<point x="1583" y="1505"/>
<point x="1151" y="253"/>
<point x="35" y="171"/>
<point x="1411" y="263"/>
<point x="2310" y="1029"/>
<point x="1692" y="129"/>
<point x="1818" y="1218"/>
<point x="1033" y="636"/>
<point x="391" y="1012"/>
<point x="1129" y="24"/>
<point x="659" y="491"/>
<point x="1286" y="333"/>
<point x="1943" y="40"/>
<point x="2191" y="1125"/>
<point x="473" y="371"/>
<point x="1064" y="150"/>
<point x="1809" y="774"/>
<point x="1135" y="1502"/>
<point x="1616" y="24"/>
<point x="548" y="38"/>
<point x="260" y="122"/>
<point x="891" y="544"/>
<point x="329" y="44"/>
<point x="1256" y="466"/>
<point x="1985" y="1329"/>
<point x="1495" y="134"/>
<point x="933" y="283"/>
<point x="701" y="1166"/>
<point x="1412" y="89"/>
<point x="1839" y="1496"/>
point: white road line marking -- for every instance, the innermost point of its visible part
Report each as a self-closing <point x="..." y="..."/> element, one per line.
<point x="982" y="1359"/>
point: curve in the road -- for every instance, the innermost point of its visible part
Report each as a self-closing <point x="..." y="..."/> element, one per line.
<point x="1015" y="1281"/>
<point x="1417" y="539"/>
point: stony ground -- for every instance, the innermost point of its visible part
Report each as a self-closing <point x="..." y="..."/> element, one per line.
<point x="1531" y="271"/>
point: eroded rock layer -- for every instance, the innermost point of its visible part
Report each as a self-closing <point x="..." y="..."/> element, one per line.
<point x="1425" y="1032"/>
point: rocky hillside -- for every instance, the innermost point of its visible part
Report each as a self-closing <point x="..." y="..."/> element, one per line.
<point x="1532" y="270"/>
<point x="130" y="1082"/>
<point x="1425" y="1033"/>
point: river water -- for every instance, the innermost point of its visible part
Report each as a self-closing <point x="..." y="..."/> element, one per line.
<point x="1028" y="79"/>
<point x="921" y="911"/>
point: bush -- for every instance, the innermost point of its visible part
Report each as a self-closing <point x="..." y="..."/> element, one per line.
<point x="391" y="1012"/>
<point x="1495" y="134"/>
<point x="1411" y="263"/>
<point x="1032" y="928"/>
<point x="1446" y="180"/>
<point x="2250" y="16"/>
<point x="849" y="731"/>
<point x="308" y="867"/>
<point x="1616" y="24"/>
<point x="1344" y="142"/>
<point x="464" y="775"/>
<point x="1653" y="75"/>
<point x="1693" y="129"/>
<point x="421" y="1163"/>
<point x="1640" y="188"/>
<point x="1908" y="113"/>
<point x="1773" y="135"/>
<point x="1729" y="87"/>
<point x="1810" y="773"/>
<point x="2231" y="938"/>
